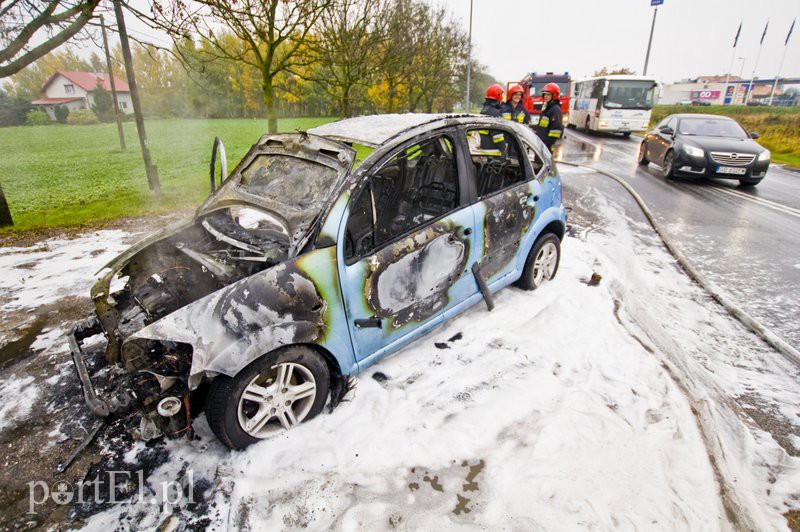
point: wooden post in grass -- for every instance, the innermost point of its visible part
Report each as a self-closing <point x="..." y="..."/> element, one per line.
<point x="5" y="212"/>
<point x="149" y="167"/>
<point x="117" y="116"/>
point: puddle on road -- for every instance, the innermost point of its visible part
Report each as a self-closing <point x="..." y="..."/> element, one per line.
<point x="18" y="348"/>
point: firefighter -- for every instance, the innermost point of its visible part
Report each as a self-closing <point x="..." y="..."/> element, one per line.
<point x="550" y="127"/>
<point x="513" y="108"/>
<point x="492" y="142"/>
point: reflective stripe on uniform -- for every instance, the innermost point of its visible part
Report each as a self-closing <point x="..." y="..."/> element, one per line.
<point x="507" y="116"/>
<point x="520" y="118"/>
<point x="497" y="138"/>
<point x="555" y="133"/>
<point x="491" y="153"/>
<point x="544" y="121"/>
<point x="413" y="152"/>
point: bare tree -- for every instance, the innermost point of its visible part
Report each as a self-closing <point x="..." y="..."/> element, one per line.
<point x="348" y="48"/>
<point x="51" y="24"/>
<point x="426" y="52"/>
<point x="273" y="30"/>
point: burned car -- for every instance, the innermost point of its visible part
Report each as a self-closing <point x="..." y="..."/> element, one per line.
<point x="308" y="265"/>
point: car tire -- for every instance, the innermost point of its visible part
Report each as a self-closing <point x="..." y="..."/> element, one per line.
<point x="542" y="262"/>
<point x="668" y="168"/>
<point x="749" y="182"/>
<point x="641" y="159"/>
<point x="588" y="123"/>
<point x="272" y="394"/>
<point x="626" y="134"/>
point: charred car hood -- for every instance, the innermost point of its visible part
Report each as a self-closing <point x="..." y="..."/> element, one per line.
<point x="296" y="218"/>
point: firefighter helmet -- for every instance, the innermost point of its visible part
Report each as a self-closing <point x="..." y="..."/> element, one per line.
<point x="516" y="87"/>
<point x="553" y="89"/>
<point x="495" y="92"/>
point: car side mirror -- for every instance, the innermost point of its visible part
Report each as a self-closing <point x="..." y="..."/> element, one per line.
<point x="667" y="130"/>
<point x="754" y="135"/>
<point x="223" y="163"/>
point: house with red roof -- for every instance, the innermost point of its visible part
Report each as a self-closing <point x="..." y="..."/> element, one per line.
<point x="75" y="90"/>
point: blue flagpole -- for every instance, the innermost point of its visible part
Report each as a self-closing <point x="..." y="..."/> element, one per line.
<point x="758" y="56"/>
<point x="728" y="75"/>
<point x="780" y="68"/>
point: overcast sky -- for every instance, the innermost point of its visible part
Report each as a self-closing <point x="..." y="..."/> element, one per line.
<point x="692" y="37"/>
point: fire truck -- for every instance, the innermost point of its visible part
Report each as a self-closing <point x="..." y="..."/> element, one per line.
<point x="534" y="82"/>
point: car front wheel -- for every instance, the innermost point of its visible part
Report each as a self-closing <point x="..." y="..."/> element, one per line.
<point x="272" y="394"/>
<point x="668" y="168"/>
<point x="542" y="262"/>
<point x="642" y="159"/>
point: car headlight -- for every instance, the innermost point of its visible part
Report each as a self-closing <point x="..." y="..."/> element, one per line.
<point x="764" y="155"/>
<point x="693" y="151"/>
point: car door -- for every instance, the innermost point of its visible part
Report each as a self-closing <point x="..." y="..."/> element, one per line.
<point x="506" y="192"/>
<point x="663" y="141"/>
<point x="406" y="242"/>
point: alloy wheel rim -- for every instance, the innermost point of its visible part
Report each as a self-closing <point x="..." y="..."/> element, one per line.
<point x="277" y="399"/>
<point x="544" y="264"/>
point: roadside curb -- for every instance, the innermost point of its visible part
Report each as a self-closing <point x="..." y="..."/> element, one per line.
<point x="789" y="353"/>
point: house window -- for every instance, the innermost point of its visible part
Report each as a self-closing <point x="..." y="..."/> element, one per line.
<point x="123" y="105"/>
<point x="69" y="88"/>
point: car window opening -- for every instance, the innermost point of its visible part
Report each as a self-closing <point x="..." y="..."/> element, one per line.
<point x="413" y="187"/>
<point x="495" y="156"/>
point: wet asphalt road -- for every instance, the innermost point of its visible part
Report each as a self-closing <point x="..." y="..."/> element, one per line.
<point x="745" y="240"/>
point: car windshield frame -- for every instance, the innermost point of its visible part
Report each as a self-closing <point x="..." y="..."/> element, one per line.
<point x="697" y="133"/>
<point x="630" y="94"/>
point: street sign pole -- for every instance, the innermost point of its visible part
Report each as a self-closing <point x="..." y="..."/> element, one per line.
<point x="469" y="59"/>
<point x="654" y="3"/>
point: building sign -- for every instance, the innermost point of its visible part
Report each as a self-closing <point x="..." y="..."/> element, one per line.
<point x="656" y="2"/>
<point x="705" y="95"/>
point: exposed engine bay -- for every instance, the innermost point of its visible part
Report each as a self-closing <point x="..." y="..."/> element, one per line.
<point x="220" y="248"/>
<point x="226" y="246"/>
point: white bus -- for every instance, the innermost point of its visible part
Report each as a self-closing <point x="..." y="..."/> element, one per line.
<point x="615" y="104"/>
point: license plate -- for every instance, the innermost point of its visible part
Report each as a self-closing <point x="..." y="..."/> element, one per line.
<point x="534" y="120"/>
<point x="730" y="170"/>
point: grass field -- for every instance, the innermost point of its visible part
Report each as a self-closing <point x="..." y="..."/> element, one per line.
<point x="62" y="175"/>
<point x="779" y="127"/>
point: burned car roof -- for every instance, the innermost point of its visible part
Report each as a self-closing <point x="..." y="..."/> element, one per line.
<point x="373" y="130"/>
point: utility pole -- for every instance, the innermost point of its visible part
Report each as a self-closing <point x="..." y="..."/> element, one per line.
<point x="655" y="3"/>
<point x="149" y="167"/>
<point x="113" y="86"/>
<point x="469" y="59"/>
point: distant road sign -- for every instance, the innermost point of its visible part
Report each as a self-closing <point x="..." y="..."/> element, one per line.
<point x="656" y="2"/>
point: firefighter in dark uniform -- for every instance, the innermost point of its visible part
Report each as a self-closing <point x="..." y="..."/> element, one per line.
<point x="550" y="127"/>
<point x="493" y="104"/>
<point x="493" y="143"/>
<point x="513" y="109"/>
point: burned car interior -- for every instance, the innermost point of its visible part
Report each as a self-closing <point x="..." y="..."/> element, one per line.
<point x="417" y="185"/>
<point x="248" y="312"/>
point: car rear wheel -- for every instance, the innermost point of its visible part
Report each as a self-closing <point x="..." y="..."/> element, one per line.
<point x="668" y="168"/>
<point x="749" y="182"/>
<point x="542" y="263"/>
<point x="274" y="393"/>
<point x="626" y="134"/>
<point x="642" y="159"/>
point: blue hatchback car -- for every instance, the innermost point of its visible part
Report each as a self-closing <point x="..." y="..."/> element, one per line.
<point x="321" y="253"/>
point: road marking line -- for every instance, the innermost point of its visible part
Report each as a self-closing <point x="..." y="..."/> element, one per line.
<point x="763" y="202"/>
